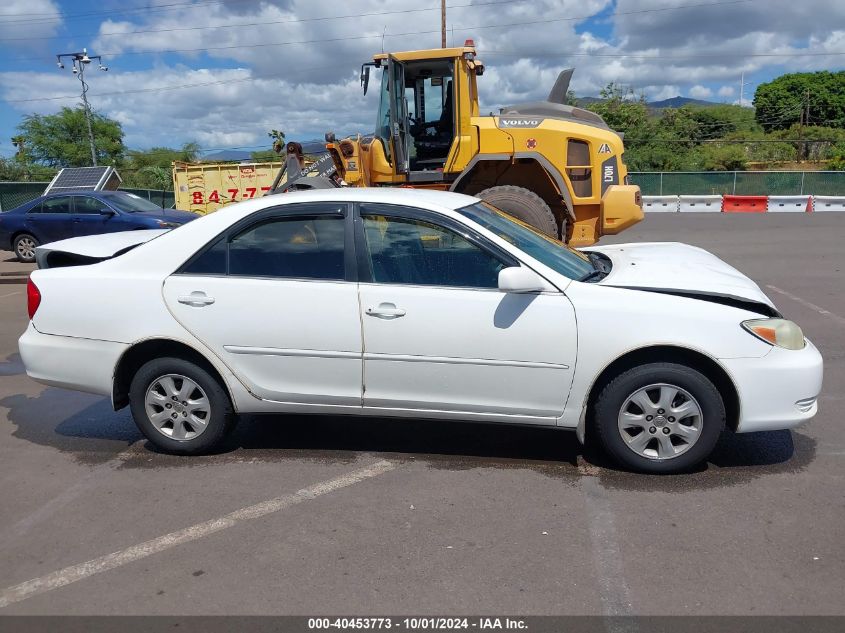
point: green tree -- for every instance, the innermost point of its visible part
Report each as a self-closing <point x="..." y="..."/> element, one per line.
<point x="153" y="168"/>
<point x="784" y="101"/>
<point x="278" y="140"/>
<point x="837" y="157"/>
<point x="61" y="140"/>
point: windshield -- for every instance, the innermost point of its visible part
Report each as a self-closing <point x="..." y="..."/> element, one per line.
<point x="130" y="203"/>
<point x="547" y="250"/>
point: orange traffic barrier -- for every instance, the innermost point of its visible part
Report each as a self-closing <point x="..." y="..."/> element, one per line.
<point x="744" y="204"/>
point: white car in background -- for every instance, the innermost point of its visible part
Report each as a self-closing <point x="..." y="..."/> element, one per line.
<point x="416" y="304"/>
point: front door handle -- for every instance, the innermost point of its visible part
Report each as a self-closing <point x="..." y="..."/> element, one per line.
<point x="197" y="299"/>
<point x="386" y="311"/>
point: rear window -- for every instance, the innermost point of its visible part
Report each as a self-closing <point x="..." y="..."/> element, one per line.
<point x="298" y="247"/>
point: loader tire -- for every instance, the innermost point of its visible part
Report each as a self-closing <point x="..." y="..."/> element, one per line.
<point x="524" y="205"/>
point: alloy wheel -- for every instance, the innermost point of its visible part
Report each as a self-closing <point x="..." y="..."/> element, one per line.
<point x="177" y="407"/>
<point x="660" y="421"/>
<point x="26" y="248"/>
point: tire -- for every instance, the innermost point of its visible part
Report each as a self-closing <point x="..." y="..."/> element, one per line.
<point x="640" y="443"/>
<point x="524" y="205"/>
<point x="24" y="247"/>
<point x="196" y="428"/>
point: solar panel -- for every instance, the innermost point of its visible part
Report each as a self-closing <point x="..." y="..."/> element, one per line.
<point x="85" y="178"/>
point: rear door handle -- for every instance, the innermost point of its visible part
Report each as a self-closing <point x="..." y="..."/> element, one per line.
<point x="386" y="311"/>
<point x="197" y="299"/>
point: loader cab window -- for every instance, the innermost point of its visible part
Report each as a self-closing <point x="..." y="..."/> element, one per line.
<point x="429" y="93"/>
<point x="429" y="128"/>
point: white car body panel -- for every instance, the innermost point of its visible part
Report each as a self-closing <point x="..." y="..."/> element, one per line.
<point x="441" y="359"/>
<point x="310" y="355"/>
<point x="468" y="350"/>
<point x="674" y="266"/>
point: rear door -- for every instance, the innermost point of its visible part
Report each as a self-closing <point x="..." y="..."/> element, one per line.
<point x="276" y="299"/>
<point x="52" y="220"/>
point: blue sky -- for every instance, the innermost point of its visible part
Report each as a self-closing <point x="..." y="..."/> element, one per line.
<point x="292" y="64"/>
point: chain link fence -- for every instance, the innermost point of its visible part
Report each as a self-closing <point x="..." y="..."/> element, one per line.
<point x="741" y="183"/>
<point x="14" y="194"/>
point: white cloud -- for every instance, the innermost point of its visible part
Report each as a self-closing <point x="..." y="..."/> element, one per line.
<point x="700" y="92"/>
<point x="293" y="69"/>
<point x="31" y="19"/>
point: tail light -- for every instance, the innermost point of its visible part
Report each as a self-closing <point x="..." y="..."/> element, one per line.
<point x="33" y="298"/>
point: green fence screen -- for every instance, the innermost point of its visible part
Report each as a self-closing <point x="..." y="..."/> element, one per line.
<point x="14" y="194"/>
<point x="741" y="183"/>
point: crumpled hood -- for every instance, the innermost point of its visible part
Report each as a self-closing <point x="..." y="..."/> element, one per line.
<point x="672" y="266"/>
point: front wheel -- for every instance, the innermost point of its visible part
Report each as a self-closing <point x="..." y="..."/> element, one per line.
<point x="25" y="247"/>
<point x="179" y="406"/>
<point x="659" y="418"/>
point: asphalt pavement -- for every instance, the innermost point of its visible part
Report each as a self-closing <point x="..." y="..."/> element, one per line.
<point x="327" y="515"/>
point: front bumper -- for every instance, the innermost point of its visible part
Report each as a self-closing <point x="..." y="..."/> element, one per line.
<point x="68" y="362"/>
<point x="777" y="391"/>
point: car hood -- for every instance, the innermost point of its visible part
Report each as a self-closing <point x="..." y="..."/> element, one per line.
<point x="91" y="248"/>
<point x="678" y="269"/>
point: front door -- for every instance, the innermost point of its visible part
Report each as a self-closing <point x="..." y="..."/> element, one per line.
<point x="440" y="336"/>
<point x="276" y="301"/>
<point x="88" y="218"/>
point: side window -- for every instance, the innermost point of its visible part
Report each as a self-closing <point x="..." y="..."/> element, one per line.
<point x="56" y="205"/>
<point x="406" y="251"/>
<point x="302" y="247"/>
<point x="212" y="261"/>
<point x="88" y="205"/>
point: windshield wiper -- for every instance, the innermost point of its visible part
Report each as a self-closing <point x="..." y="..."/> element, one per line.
<point x="593" y="274"/>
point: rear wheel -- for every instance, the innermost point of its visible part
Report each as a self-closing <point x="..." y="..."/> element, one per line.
<point x="524" y="205"/>
<point x="659" y="418"/>
<point x="179" y="406"/>
<point x="24" y="246"/>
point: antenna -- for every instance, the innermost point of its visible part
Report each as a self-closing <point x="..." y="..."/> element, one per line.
<point x="382" y="37"/>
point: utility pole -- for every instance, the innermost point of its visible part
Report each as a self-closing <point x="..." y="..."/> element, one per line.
<point x="79" y="61"/>
<point x="442" y="23"/>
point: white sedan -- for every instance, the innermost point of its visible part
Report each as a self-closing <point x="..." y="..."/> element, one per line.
<point x="415" y="304"/>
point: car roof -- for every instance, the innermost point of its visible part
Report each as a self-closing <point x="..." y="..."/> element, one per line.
<point x="87" y="192"/>
<point x="385" y="195"/>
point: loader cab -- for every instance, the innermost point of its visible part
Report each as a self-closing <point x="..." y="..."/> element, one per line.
<point x="416" y="116"/>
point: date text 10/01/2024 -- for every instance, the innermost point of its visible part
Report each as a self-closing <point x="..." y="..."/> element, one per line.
<point x="417" y="623"/>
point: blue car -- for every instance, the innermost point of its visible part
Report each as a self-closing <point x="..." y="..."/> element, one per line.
<point x="58" y="216"/>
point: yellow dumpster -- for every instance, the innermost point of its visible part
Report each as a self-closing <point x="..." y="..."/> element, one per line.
<point x="205" y="187"/>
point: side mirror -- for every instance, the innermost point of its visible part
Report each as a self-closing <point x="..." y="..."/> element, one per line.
<point x="365" y="77"/>
<point x="518" y="279"/>
<point x="107" y="212"/>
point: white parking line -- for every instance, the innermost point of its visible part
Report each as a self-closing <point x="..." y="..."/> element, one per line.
<point x="110" y="561"/>
<point x="614" y="593"/>
<point x="807" y="304"/>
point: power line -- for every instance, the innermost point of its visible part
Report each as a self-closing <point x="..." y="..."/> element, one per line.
<point x="428" y="32"/>
<point x="52" y="17"/>
<point x="636" y="56"/>
<point x="266" y="22"/>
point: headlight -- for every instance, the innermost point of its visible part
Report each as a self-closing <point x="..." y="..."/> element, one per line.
<point x="167" y="225"/>
<point x="778" y="332"/>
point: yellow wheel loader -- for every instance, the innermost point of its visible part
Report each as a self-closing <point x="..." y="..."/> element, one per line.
<point x="557" y="167"/>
